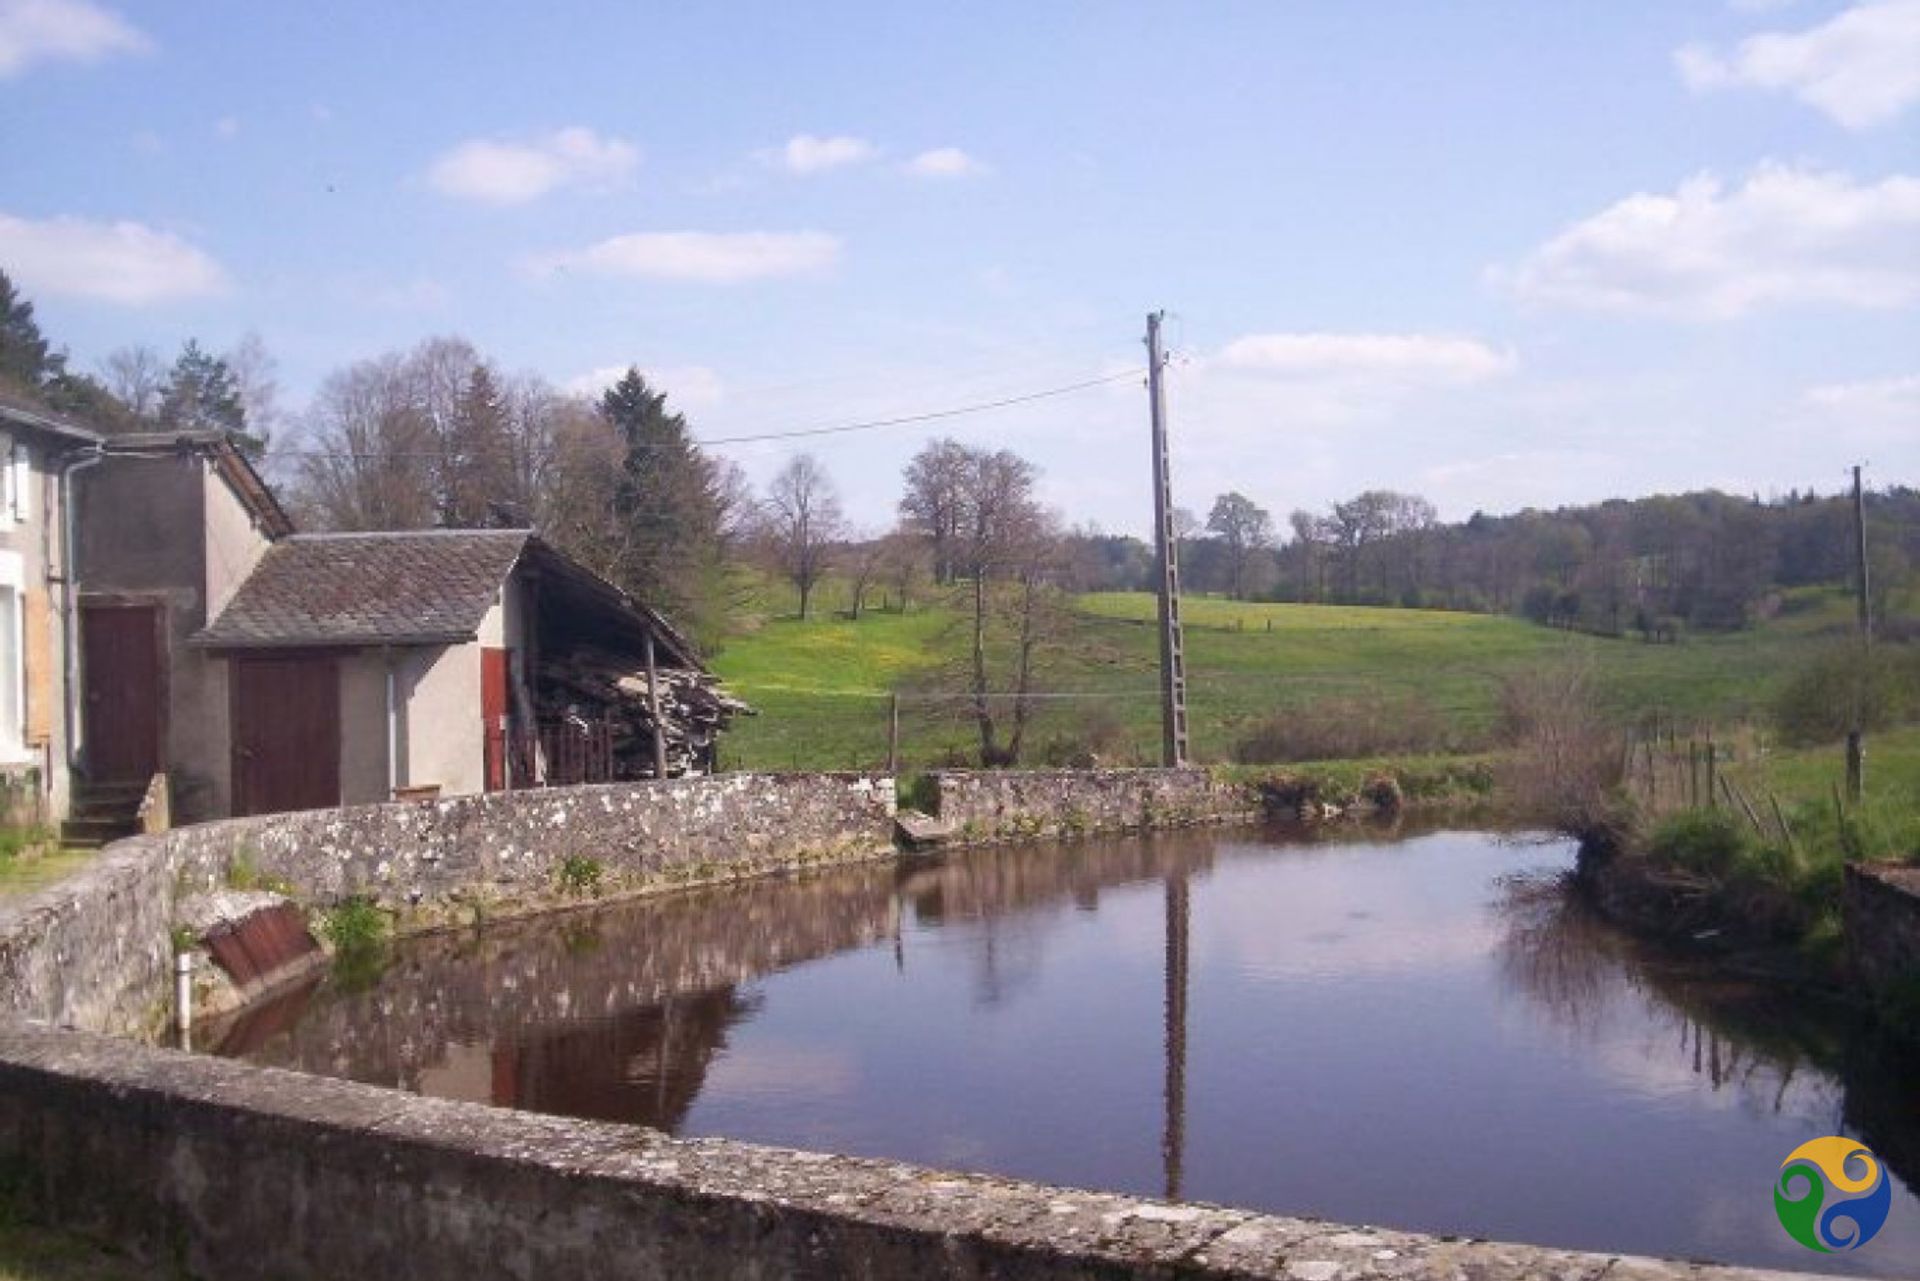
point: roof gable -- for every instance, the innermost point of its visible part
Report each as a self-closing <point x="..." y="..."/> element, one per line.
<point x="413" y="588"/>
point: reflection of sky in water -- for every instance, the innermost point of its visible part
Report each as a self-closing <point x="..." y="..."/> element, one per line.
<point x="1375" y="1032"/>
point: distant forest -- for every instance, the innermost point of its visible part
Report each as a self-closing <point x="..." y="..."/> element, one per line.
<point x="1706" y="561"/>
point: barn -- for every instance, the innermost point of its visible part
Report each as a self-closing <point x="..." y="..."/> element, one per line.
<point x="411" y="664"/>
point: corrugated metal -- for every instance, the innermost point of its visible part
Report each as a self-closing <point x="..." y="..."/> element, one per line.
<point x="262" y="944"/>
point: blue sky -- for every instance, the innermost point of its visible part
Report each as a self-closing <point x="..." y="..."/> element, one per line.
<point x="1498" y="254"/>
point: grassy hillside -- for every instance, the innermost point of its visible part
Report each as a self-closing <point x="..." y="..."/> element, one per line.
<point x="822" y="685"/>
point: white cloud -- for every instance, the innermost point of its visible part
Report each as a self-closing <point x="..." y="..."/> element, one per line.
<point x="1861" y="67"/>
<point x="118" y="262"/>
<point x="502" y="172"/>
<point x="807" y="154"/>
<point x="1786" y="235"/>
<point x="944" y="162"/>
<point x="1429" y="358"/>
<point x="704" y="256"/>
<point x="1870" y="413"/>
<point x="227" y="127"/>
<point x="687" y="386"/>
<point x="1891" y="395"/>
<point x="62" y="30"/>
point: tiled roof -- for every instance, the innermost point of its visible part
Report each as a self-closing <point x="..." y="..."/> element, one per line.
<point x="368" y="589"/>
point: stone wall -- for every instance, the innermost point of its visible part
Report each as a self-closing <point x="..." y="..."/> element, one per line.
<point x="511" y="845"/>
<point x="94" y="951"/>
<point x="216" y="1169"/>
<point x="1883" y="922"/>
<point x="1016" y="805"/>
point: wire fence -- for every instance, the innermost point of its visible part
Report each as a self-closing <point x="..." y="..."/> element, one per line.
<point x="1115" y="724"/>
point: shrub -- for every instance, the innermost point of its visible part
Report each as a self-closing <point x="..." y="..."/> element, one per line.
<point x="1382" y="791"/>
<point x="581" y="876"/>
<point x="1816" y="704"/>
<point x="1564" y="767"/>
<point x="918" y="792"/>
<point x="1709" y="842"/>
<point x="356" y="924"/>
<point x="1333" y="729"/>
<point x="1096" y="735"/>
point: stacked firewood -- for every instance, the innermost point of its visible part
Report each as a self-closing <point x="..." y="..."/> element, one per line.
<point x="589" y="686"/>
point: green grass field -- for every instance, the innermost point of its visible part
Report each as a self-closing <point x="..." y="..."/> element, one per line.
<point x="822" y="685"/>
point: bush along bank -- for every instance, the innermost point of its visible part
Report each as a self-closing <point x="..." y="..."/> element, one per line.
<point x="1764" y="884"/>
<point x="1325" y="790"/>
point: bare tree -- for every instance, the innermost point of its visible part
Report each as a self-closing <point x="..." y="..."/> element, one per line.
<point x="904" y="566"/>
<point x="137" y="376"/>
<point x="864" y="562"/>
<point x="1245" y="529"/>
<point x="369" y="462"/>
<point x="804" y="519"/>
<point x="256" y="379"/>
<point x="935" y="499"/>
<point x="1006" y="547"/>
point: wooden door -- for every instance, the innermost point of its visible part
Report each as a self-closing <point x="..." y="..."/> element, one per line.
<point x="286" y="732"/>
<point x="494" y="670"/>
<point x="124" y="677"/>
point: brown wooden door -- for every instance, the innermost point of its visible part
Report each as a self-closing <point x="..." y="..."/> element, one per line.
<point x="493" y="715"/>
<point x="286" y="732"/>
<point x="124" y="676"/>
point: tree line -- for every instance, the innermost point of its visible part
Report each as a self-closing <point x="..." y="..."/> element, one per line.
<point x="441" y="435"/>
<point x="1706" y="560"/>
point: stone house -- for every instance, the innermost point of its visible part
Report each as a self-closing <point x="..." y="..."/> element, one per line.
<point x="169" y="525"/>
<point x="261" y="670"/>
<point x="433" y="662"/>
<point x="40" y="455"/>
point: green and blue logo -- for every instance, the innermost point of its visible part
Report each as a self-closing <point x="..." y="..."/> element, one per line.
<point x="1832" y="1194"/>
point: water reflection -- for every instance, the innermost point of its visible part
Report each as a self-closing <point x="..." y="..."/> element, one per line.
<point x="1667" y="1025"/>
<point x="1200" y="1015"/>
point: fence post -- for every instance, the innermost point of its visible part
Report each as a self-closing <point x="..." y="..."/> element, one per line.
<point x="1713" y="771"/>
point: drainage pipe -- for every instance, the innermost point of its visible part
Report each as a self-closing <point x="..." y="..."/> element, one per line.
<point x="183" y="996"/>
<point x="69" y="602"/>
<point x="393" y="730"/>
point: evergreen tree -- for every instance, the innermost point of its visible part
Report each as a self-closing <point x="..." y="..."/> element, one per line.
<point x="666" y="504"/>
<point x="478" y="468"/>
<point x="201" y="394"/>
<point x="26" y="359"/>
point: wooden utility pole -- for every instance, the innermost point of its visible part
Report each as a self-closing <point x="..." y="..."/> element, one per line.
<point x="1857" y="734"/>
<point x="1173" y="657"/>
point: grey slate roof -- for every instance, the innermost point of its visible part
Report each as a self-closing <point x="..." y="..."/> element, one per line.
<point x="418" y="588"/>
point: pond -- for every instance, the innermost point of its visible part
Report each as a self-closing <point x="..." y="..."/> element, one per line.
<point x="1420" y="1032"/>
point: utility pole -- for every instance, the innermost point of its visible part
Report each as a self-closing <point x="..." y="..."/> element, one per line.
<point x="1856" y="736"/>
<point x="1173" y="656"/>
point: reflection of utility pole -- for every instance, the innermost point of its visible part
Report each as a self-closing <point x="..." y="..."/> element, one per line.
<point x="1173" y="1139"/>
<point x="1173" y="654"/>
<point x="1856" y="733"/>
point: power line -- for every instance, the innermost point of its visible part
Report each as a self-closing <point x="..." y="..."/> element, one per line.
<point x="930" y="416"/>
<point x="875" y="424"/>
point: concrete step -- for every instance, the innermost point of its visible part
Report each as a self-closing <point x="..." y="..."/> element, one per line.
<point x="919" y="831"/>
<point x="90" y="833"/>
<point x="88" y="806"/>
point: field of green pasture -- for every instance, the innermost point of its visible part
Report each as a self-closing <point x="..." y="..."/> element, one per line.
<point x="823" y="685"/>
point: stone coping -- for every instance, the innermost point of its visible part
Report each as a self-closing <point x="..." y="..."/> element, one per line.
<point x="454" y="1189"/>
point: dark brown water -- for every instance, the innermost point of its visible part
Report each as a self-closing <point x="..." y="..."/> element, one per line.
<point x="1420" y="1033"/>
